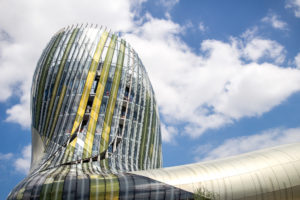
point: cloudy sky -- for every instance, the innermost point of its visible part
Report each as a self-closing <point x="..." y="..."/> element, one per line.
<point x="226" y="73"/>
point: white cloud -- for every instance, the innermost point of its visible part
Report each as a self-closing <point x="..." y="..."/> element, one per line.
<point x="295" y="5"/>
<point x="245" y="144"/>
<point x="259" y="48"/>
<point x="6" y="156"/>
<point x="136" y="7"/>
<point x="274" y="20"/>
<point x="297" y="60"/>
<point x="202" y="91"/>
<point x="168" y="133"/>
<point x="20" y="113"/>
<point x="250" y="33"/>
<point x="213" y="88"/>
<point x="202" y="27"/>
<point x="242" y="97"/>
<point x="26" y="29"/>
<point x="22" y="164"/>
<point x="169" y="4"/>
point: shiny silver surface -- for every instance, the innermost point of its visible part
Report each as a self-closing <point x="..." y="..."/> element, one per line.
<point x="266" y="174"/>
<point x="95" y="122"/>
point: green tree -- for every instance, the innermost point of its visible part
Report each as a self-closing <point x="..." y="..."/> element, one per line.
<point x="202" y="193"/>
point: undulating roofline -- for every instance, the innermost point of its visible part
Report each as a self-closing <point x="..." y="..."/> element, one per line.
<point x="96" y="133"/>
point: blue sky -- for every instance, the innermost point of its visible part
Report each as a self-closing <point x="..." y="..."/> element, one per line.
<point x="226" y="73"/>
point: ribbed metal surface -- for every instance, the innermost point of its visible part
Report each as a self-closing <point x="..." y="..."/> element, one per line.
<point x="91" y="85"/>
<point x="267" y="174"/>
<point x="95" y="123"/>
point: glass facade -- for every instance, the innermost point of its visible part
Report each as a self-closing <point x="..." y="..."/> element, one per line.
<point x="96" y="133"/>
<point x="91" y="87"/>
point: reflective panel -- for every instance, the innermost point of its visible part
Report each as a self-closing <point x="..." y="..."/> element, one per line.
<point x="96" y="134"/>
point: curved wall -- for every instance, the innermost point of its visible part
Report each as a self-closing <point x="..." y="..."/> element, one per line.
<point x="266" y="174"/>
<point x="91" y="87"/>
<point x="96" y="134"/>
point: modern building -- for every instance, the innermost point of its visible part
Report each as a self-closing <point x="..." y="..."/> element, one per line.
<point x="96" y="134"/>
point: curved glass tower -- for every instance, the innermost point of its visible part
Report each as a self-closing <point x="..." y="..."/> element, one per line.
<point x="96" y="134"/>
<point x="91" y="94"/>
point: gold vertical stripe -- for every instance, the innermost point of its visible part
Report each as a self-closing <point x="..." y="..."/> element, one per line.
<point x="103" y="78"/>
<point x="101" y="86"/>
<point x="159" y="159"/>
<point x="89" y="81"/>
<point x="58" y="184"/>
<point x="97" y="187"/>
<point x="45" y="193"/>
<point x="153" y="132"/>
<point x="112" y="187"/>
<point x="110" y="107"/>
<point x="85" y="93"/>
<point x="21" y="193"/>
<point x="144" y="132"/>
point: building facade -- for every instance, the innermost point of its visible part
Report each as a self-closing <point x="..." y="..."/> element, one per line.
<point x="96" y="133"/>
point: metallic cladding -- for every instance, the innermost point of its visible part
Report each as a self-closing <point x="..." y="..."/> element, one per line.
<point x="96" y="134"/>
<point x="85" y="80"/>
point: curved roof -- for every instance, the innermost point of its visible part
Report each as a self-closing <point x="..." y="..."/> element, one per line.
<point x="96" y="134"/>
